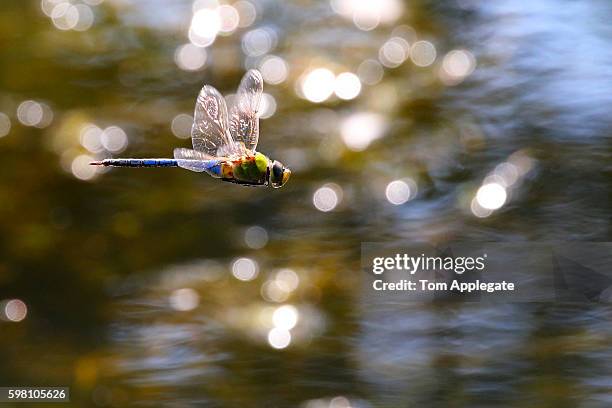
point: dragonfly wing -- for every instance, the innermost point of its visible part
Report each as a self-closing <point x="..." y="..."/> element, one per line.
<point x="192" y="159"/>
<point x="209" y="133"/>
<point x="244" y="119"/>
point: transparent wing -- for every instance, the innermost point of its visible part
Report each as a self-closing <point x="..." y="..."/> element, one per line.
<point x="244" y="122"/>
<point x="192" y="159"/>
<point x="209" y="132"/>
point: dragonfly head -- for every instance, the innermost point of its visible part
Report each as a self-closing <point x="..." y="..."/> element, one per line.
<point x="279" y="174"/>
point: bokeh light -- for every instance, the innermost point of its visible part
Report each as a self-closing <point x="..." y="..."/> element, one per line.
<point x="29" y="113"/>
<point x="370" y="72"/>
<point x="522" y="162"/>
<point x="361" y="129"/>
<point x="316" y="403"/>
<point x="367" y="15"/>
<point x="347" y="86"/>
<point x="14" y="310"/>
<point x="491" y="196"/>
<point x="91" y="138"/>
<point x="68" y="16"/>
<point x="32" y="113"/>
<point x="114" y="139"/>
<point x="188" y="57"/>
<point x="184" y="299"/>
<point x="247" y="13"/>
<point x="366" y="21"/>
<point x="498" y="186"/>
<point x="245" y="269"/>
<point x="339" y="402"/>
<point x="423" y="53"/>
<point x="394" y="52"/>
<point x="285" y="317"/>
<point x="287" y="279"/>
<point x="204" y="4"/>
<point x="478" y="210"/>
<point x="181" y="125"/>
<point x="272" y="291"/>
<point x="256" y="237"/>
<point x="258" y="42"/>
<point x="268" y="106"/>
<point x="280" y="285"/>
<point x="405" y="32"/>
<point x="81" y="168"/>
<point x="47" y="6"/>
<point x="229" y="19"/>
<point x="5" y="124"/>
<point x="205" y="25"/>
<point x="327" y="197"/>
<point x="274" y="69"/>
<point x="279" y="338"/>
<point x="65" y="16"/>
<point x="456" y="66"/>
<point x="400" y="191"/>
<point x="86" y="17"/>
<point x="318" y="85"/>
<point x="508" y="173"/>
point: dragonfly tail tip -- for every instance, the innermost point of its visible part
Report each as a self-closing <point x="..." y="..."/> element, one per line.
<point x="96" y="163"/>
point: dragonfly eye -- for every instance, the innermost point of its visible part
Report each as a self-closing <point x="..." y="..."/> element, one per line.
<point x="279" y="174"/>
<point x="277" y="170"/>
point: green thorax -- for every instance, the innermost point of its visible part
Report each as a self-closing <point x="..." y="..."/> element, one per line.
<point x="251" y="169"/>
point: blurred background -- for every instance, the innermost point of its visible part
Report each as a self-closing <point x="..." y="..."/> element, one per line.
<point x="416" y="121"/>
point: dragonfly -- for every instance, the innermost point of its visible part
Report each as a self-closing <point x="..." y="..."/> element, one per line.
<point x="224" y="144"/>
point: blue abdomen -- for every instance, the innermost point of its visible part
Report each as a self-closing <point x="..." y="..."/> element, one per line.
<point x="138" y="163"/>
